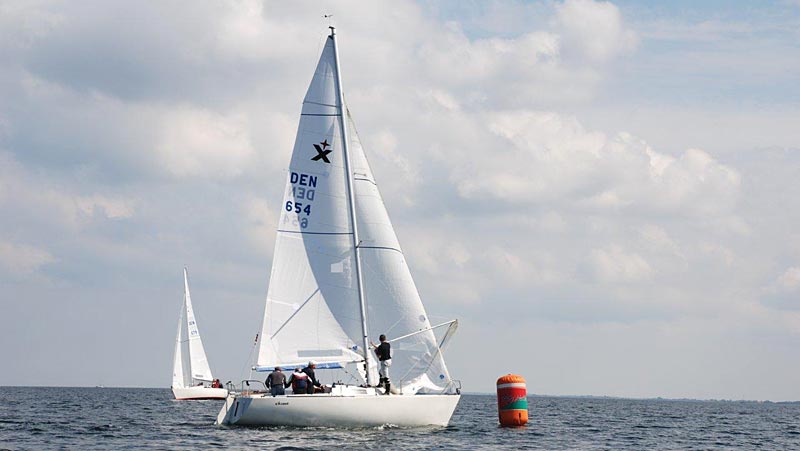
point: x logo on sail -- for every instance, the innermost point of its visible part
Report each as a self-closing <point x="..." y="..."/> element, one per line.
<point x="322" y="152"/>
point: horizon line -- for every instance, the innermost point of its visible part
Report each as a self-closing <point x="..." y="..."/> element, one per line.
<point x="475" y="393"/>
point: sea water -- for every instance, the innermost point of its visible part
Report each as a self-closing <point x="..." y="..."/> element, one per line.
<point x="35" y="418"/>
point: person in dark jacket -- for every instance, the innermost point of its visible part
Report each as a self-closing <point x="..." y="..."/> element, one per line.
<point x="276" y="382"/>
<point x="384" y="353"/>
<point x="309" y="370"/>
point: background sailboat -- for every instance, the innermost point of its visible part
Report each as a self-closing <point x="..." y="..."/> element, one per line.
<point x="191" y="376"/>
<point x="338" y="273"/>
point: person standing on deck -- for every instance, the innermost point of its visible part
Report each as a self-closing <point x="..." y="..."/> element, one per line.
<point x="384" y="353"/>
<point x="276" y="382"/>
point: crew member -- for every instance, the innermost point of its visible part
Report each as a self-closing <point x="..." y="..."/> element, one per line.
<point x="276" y="382"/>
<point x="384" y="353"/>
<point x="299" y="382"/>
<point x="312" y="377"/>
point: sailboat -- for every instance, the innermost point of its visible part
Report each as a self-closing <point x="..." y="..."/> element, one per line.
<point x="196" y="383"/>
<point x="339" y="275"/>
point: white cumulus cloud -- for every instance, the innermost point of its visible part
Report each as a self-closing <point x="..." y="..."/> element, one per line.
<point x="593" y="30"/>
<point x="543" y="156"/>
<point x="197" y="142"/>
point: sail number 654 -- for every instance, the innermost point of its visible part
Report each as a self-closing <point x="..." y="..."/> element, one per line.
<point x="298" y="207"/>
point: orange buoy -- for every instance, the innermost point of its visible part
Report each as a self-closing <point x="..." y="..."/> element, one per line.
<point x="512" y="400"/>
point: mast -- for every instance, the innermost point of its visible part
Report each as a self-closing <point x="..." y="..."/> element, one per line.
<point x="351" y="197"/>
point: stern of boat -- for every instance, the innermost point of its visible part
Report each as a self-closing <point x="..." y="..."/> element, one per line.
<point x="223" y="415"/>
<point x="238" y="400"/>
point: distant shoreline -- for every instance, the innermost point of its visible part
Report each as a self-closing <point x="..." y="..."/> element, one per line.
<point x="530" y="395"/>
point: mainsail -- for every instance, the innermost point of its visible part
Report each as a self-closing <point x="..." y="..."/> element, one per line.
<point x="197" y="355"/>
<point x="313" y="308"/>
<point x="312" y="304"/>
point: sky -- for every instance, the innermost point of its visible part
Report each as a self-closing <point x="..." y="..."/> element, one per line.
<point x="603" y="193"/>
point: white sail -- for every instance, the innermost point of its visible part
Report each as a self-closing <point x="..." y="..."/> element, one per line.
<point x="177" y="364"/>
<point x="394" y="307"/>
<point x="197" y="355"/>
<point x="312" y="307"/>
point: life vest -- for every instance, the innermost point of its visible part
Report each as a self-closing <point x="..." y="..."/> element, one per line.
<point x="299" y="382"/>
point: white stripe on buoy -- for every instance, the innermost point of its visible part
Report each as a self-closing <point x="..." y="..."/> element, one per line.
<point x="512" y="385"/>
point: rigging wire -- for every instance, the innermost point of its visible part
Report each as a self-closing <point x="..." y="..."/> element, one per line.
<point x="248" y="360"/>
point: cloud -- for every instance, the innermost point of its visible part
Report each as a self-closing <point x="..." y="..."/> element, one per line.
<point x="564" y="63"/>
<point x="790" y="280"/>
<point x="461" y="60"/>
<point x="518" y="270"/>
<point x="110" y="208"/>
<point x="23" y="259"/>
<point x="614" y="264"/>
<point x="593" y="30"/>
<point x="195" y="142"/>
<point x="35" y="197"/>
<point x="260" y="224"/>
<point x="784" y="292"/>
<point x="657" y="239"/>
<point x="543" y="157"/>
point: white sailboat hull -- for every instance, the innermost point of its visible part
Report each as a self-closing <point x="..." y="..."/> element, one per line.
<point x="186" y="393"/>
<point x="338" y="411"/>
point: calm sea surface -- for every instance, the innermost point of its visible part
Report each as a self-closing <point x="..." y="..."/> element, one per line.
<point x="122" y="419"/>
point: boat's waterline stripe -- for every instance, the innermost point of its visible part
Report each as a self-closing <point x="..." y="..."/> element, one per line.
<point x="512" y="385"/>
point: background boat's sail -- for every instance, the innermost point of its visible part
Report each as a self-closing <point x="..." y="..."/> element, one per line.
<point x="197" y="355"/>
<point x="394" y="307"/>
<point x="177" y="364"/>
<point x="312" y="308"/>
